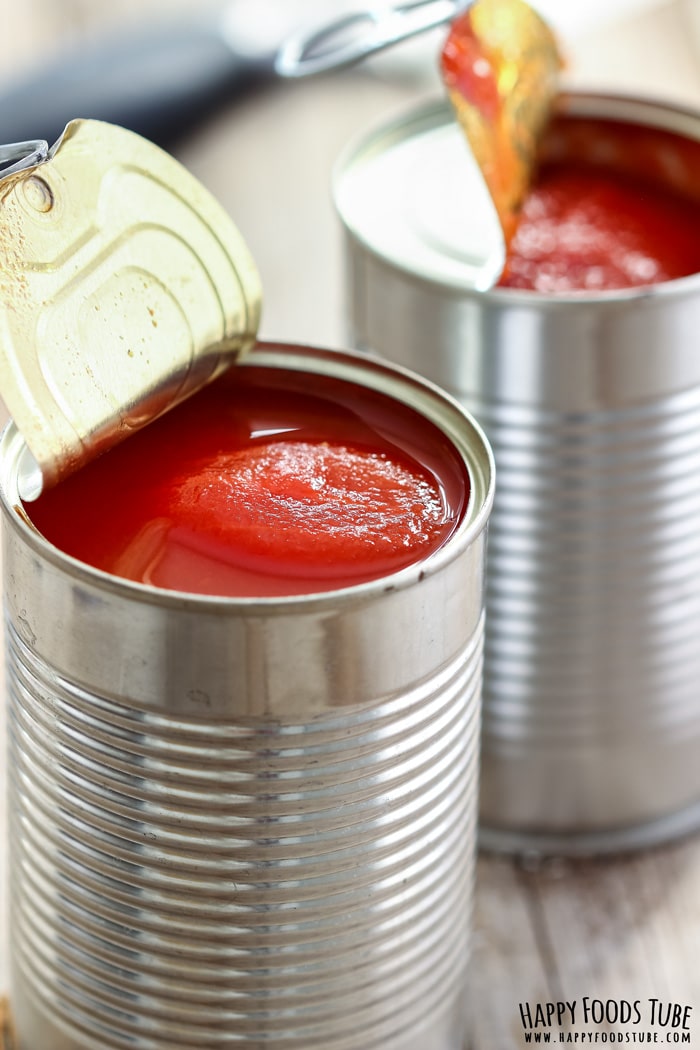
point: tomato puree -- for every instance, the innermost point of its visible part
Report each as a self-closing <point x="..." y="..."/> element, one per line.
<point x="267" y="482"/>
<point x="611" y="208"/>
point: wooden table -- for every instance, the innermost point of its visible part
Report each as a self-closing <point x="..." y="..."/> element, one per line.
<point x="625" y="928"/>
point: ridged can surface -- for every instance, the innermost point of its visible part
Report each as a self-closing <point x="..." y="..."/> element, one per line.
<point x="243" y="822"/>
<point x="591" y="723"/>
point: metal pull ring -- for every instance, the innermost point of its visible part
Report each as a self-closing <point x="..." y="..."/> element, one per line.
<point x="356" y="35"/>
<point x="18" y="156"/>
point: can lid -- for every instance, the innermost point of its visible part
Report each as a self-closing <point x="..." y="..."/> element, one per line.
<point x="124" y="287"/>
<point x="411" y="192"/>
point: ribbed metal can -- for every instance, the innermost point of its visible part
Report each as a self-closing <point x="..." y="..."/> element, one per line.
<point x="592" y="406"/>
<point x="245" y="822"/>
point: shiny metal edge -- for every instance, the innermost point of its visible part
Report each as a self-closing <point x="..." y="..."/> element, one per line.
<point x="350" y="37"/>
<point x="531" y="846"/>
<point x="19" y="156"/>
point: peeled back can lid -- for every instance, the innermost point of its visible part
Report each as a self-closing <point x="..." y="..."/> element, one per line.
<point x="124" y="287"/>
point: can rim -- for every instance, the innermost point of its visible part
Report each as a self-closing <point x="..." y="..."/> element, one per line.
<point x="354" y="366"/>
<point x="573" y="102"/>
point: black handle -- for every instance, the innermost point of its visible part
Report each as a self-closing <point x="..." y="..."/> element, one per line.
<point x="159" y="83"/>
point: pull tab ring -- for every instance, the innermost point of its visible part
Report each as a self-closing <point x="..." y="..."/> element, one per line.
<point x="18" y="156"/>
<point x="356" y="35"/>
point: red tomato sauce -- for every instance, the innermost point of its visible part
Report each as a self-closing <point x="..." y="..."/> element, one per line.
<point x="613" y="206"/>
<point x="267" y="482"/>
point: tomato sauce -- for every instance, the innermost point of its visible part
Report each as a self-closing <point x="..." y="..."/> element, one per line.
<point x="268" y="482"/>
<point x="613" y="206"/>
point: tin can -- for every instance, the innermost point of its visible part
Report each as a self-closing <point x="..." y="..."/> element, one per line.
<point x="592" y="406"/>
<point x="245" y="822"/>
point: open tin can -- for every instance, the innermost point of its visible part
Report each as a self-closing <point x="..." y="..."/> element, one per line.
<point x="243" y="821"/>
<point x="591" y="403"/>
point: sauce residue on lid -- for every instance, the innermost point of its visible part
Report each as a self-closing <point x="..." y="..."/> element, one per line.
<point x="265" y="483"/>
<point x="500" y="65"/>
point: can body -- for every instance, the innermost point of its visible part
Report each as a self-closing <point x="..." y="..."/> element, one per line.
<point x="245" y="822"/>
<point x="592" y="406"/>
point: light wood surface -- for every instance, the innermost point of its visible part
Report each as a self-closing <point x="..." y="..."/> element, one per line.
<point x="626" y="928"/>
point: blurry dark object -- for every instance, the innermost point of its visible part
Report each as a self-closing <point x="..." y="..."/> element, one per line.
<point x="162" y="80"/>
<point x="158" y="82"/>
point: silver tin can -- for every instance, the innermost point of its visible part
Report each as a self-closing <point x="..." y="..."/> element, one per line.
<point x="591" y="726"/>
<point x="242" y="822"/>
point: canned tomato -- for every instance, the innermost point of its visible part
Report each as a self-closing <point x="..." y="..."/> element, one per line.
<point x="592" y="405"/>
<point x="245" y="819"/>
